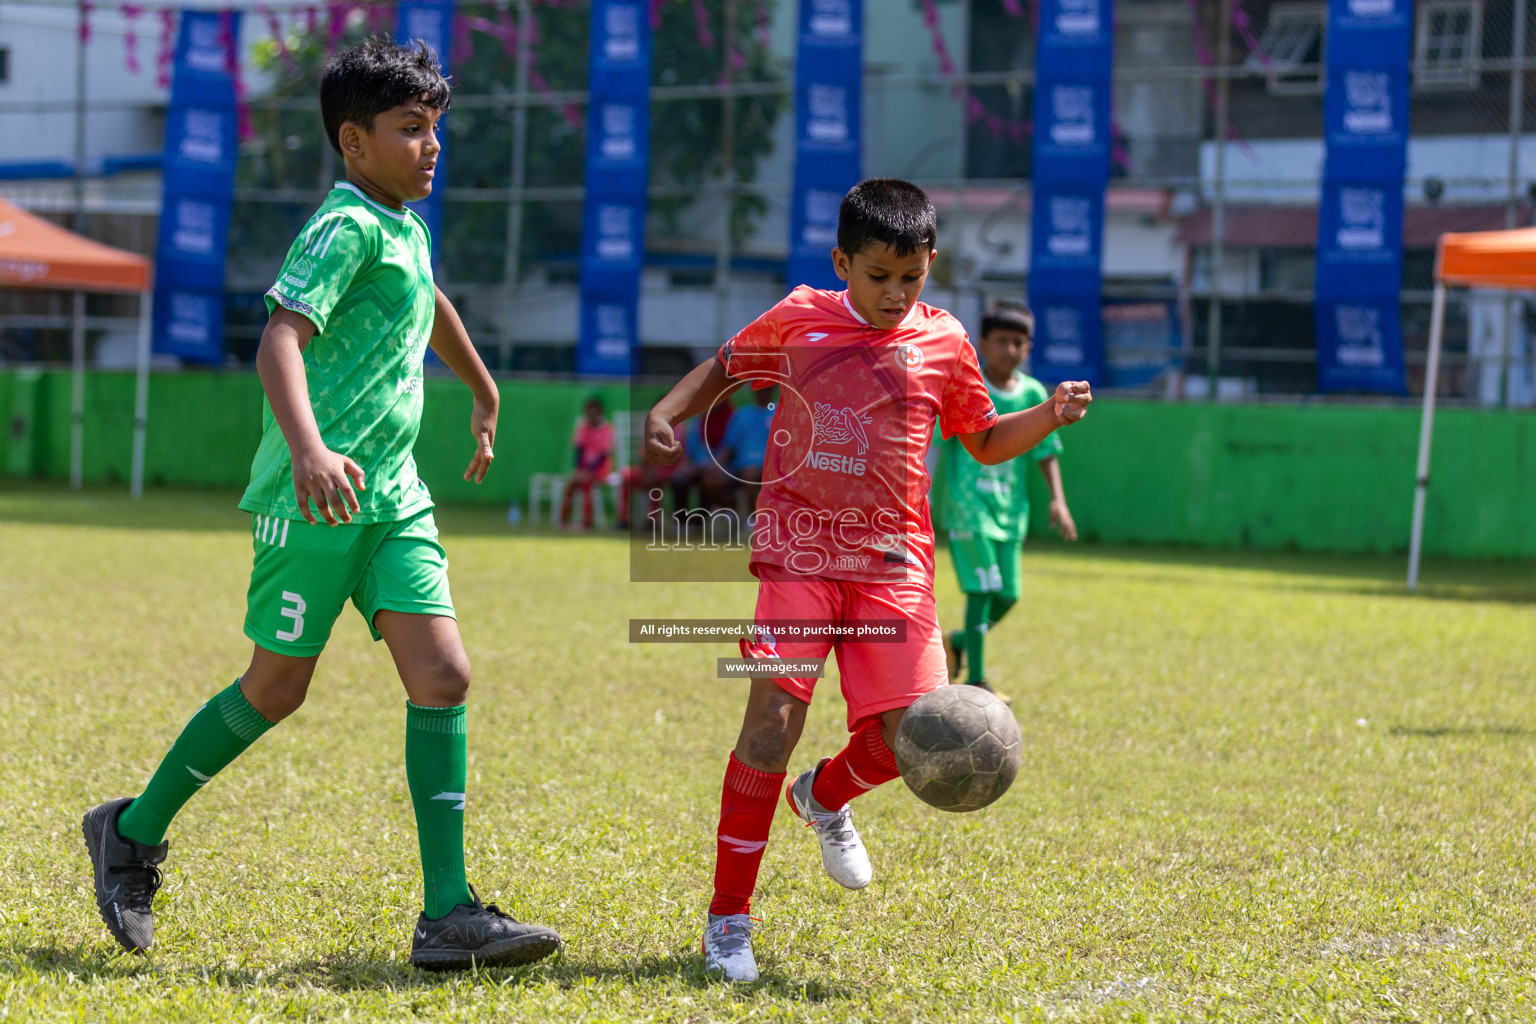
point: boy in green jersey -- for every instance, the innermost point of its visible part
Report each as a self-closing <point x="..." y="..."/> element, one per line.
<point x="986" y="508"/>
<point x="351" y="316"/>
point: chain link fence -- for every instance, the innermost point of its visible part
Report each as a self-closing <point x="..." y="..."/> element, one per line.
<point x="1211" y="214"/>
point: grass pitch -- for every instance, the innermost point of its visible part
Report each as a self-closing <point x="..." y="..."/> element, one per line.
<point x="1255" y="788"/>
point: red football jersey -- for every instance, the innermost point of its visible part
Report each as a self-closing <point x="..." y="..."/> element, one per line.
<point x="594" y="445"/>
<point x="845" y="483"/>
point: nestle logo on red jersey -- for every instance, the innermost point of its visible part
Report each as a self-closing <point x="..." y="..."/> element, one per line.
<point x="837" y="463"/>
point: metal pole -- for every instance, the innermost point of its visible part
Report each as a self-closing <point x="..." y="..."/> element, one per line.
<point x="78" y="326"/>
<point x="962" y="280"/>
<point x="1218" y="198"/>
<point x="1512" y="206"/>
<point x="327" y="165"/>
<point x="79" y="183"/>
<point x="728" y="173"/>
<point x="140" y="396"/>
<point x="77" y="393"/>
<point x="1426" y="431"/>
<point x="513" y="262"/>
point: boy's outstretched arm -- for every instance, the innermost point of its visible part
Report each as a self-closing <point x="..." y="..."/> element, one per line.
<point x="704" y="387"/>
<point x="318" y="472"/>
<point x="1017" y="432"/>
<point x="451" y="343"/>
<point x="1061" y="515"/>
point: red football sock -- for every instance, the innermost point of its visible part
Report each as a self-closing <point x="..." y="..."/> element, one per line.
<point x="746" y="814"/>
<point x="866" y="762"/>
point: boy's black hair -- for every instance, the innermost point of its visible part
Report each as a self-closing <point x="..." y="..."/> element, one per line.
<point x="1007" y="316"/>
<point x="359" y="84"/>
<point x="886" y="211"/>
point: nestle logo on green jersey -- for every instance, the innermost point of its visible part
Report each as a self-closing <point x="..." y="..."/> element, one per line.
<point x="299" y="273"/>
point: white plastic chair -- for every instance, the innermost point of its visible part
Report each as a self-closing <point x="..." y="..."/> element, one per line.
<point x="544" y="487"/>
<point x="550" y="487"/>
<point x="614" y="481"/>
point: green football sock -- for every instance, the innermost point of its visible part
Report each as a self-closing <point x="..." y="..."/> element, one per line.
<point x="216" y="735"/>
<point x="976" y="609"/>
<point x="1000" y="607"/>
<point x="436" y="759"/>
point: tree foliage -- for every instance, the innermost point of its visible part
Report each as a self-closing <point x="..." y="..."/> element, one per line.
<point x="289" y="150"/>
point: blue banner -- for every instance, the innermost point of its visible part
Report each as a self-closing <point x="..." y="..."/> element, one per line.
<point x="1139" y="339"/>
<point x="1365" y="123"/>
<point x="1066" y="234"/>
<point x="617" y="172"/>
<point x="1359" y="344"/>
<point x="431" y="21"/>
<point x="1074" y="58"/>
<point x="1076" y="39"/>
<point x="1359" y="240"/>
<point x="197" y="189"/>
<point x="1360" y="218"/>
<point x="1072" y="129"/>
<point x="1069" y="336"/>
<point x="1370" y="33"/>
<point x="829" y="77"/>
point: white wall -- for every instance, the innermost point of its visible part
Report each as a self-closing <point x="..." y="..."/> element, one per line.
<point x="44" y="62"/>
<point x="995" y="243"/>
<point x="43" y="42"/>
<point x="911" y="131"/>
<point x="1474" y="168"/>
<point x="668" y="316"/>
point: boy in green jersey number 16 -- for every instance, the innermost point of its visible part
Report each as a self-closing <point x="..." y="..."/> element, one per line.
<point x="351" y="315"/>
<point x="986" y="508"/>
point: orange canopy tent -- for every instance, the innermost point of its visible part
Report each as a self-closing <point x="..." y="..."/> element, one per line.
<point x="36" y="253"/>
<point x="1488" y="259"/>
<point x="1478" y="259"/>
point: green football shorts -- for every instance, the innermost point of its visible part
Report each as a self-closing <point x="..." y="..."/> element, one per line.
<point x="984" y="565"/>
<point x="304" y="573"/>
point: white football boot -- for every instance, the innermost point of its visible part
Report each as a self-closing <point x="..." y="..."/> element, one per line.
<point x="728" y="947"/>
<point x="842" y="851"/>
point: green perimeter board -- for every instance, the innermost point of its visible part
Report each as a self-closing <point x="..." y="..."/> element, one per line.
<point x="204" y="429"/>
<point x="1315" y="478"/>
<point x="16" y="423"/>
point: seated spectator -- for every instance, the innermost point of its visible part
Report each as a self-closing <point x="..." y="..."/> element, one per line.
<point x="647" y="478"/>
<point x="700" y="470"/>
<point x="593" y="442"/>
<point x="746" y="444"/>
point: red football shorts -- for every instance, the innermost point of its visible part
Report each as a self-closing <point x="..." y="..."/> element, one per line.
<point x="876" y="676"/>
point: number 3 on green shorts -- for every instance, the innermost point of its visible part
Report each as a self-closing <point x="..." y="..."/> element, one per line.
<point x="302" y="574"/>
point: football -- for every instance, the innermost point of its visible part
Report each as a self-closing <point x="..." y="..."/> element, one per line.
<point x="958" y="748"/>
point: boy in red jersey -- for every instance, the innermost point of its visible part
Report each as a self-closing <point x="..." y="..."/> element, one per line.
<point x="592" y="463"/>
<point x="842" y="530"/>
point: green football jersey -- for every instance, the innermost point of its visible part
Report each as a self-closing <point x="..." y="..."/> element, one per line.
<point x="993" y="501"/>
<point x="363" y="274"/>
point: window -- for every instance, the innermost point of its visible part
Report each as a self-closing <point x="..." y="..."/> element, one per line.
<point x="5" y="65"/>
<point x="691" y="277"/>
<point x="1291" y="52"/>
<point x="1448" y="45"/>
<point x="1287" y="270"/>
